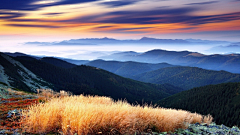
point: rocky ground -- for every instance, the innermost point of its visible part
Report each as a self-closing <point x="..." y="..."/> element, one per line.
<point x="12" y="102"/>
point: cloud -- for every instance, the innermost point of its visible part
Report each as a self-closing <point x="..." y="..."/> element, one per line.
<point x="123" y="31"/>
<point x="26" y="20"/>
<point x="35" y="26"/>
<point x="10" y="15"/>
<point x="202" y="3"/>
<point x="119" y="3"/>
<point x="135" y="17"/>
<point x="52" y="14"/>
<point x="29" y="5"/>
<point x="190" y="28"/>
<point x="156" y="16"/>
<point x="65" y="2"/>
<point x="20" y="5"/>
<point x="213" y="18"/>
<point x="130" y="29"/>
<point x="103" y="27"/>
<point x="112" y="29"/>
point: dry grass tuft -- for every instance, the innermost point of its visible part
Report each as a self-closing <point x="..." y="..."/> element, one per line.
<point x="49" y="93"/>
<point x="101" y="115"/>
<point x="16" y="92"/>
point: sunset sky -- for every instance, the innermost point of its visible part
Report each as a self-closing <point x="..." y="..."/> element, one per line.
<point x="57" y="20"/>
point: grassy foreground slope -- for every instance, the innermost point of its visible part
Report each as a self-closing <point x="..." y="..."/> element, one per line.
<point x="101" y="115"/>
<point x="50" y="112"/>
<point x="90" y="80"/>
<point x="222" y="101"/>
<point x="187" y="77"/>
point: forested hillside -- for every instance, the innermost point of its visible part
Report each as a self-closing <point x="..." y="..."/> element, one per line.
<point x="14" y="74"/>
<point x="127" y="69"/>
<point x="187" y="77"/>
<point x="222" y="101"/>
<point x="57" y="62"/>
<point x="91" y="80"/>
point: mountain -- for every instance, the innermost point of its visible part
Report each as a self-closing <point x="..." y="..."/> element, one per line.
<point x="76" y="62"/>
<point x="15" y="54"/>
<point x="210" y="42"/>
<point x="120" y="56"/>
<point x="14" y="74"/>
<point x="94" y="81"/>
<point x="57" y="62"/>
<point x="90" y="55"/>
<point x="20" y="54"/>
<point x="126" y="69"/>
<point x="184" y="58"/>
<point x="232" y="48"/>
<point x="222" y="101"/>
<point x="152" y="56"/>
<point x="72" y="61"/>
<point x="187" y="77"/>
<point x="163" y="41"/>
<point x="142" y="41"/>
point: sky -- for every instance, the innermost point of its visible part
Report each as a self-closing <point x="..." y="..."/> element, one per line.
<point x="56" y="20"/>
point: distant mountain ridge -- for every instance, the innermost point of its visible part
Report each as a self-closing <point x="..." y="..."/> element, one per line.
<point x="161" y="73"/>
<point x="143" y="40"/>
<point x="232" y="48"/>
<point x="127" y="69"/>
<point x="228" y="63"/>
<point x="187" y="77"/>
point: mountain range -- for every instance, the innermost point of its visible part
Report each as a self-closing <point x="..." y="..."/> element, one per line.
<point x="169" y="86"/>
<point x="127" y="69"/>
<point x="156" y="73"/>
<point x="28" y="73"/>
<point x="161" y="73"/>
<point x="73" y="61"/>
<point x="187" y="77"/>
<point x="217" y="62"/>
<point x="143" y="40"/>
<point x="227" y="62"/>
<point x="232" y="48"/>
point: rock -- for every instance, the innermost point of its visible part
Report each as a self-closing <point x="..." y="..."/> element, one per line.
<point x="15" y="112"/>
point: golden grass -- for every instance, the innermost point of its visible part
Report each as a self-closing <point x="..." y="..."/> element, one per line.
<point x="11" y="91"/>
<point x="49" y="93"/>
<point x="101" y="115"/>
